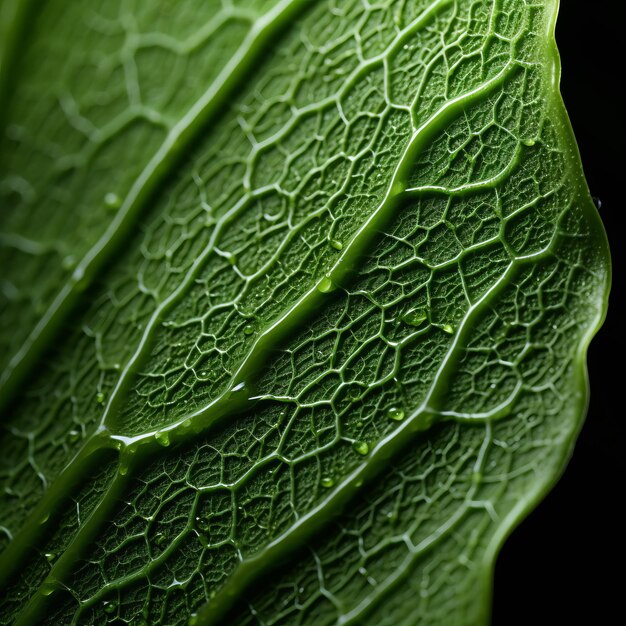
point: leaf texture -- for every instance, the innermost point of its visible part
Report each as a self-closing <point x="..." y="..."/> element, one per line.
<point x="295" y="303"/>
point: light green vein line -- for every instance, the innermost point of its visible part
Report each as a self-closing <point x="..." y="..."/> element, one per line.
<point x="243" y="380"/>
<point x="260" y="36"/>
<point x="14" y="556"/>
<point x="35" y="609"/>
<point x="355" y="616"/>
<point x="131" y="366"/>
<point x="391" y="447"/>
<point x="168" y="155"/>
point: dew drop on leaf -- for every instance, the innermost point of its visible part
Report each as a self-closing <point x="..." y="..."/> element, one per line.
<point x="361" y="447"/>
<point x="163" y="438"/>
<point x="326" y="285"/>
<point x="416" y="317"/>
<point x="327" y="482"/>
<point x="68" y="262"/>
<point x="48" y="588"/>
<point x="112" y="200"/>
<point x="395" y="413"/>
<point x="73" y="436"/>
<point x="110" y="607"/>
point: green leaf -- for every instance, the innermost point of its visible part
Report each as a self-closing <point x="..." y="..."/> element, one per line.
<point x="295" y="303"/>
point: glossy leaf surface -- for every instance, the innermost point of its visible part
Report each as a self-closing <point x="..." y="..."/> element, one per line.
<point x="295" y="303"/>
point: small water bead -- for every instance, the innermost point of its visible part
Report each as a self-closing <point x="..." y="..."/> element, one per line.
<point x="50" y="556"/>
<point x="336" y="244"/>
<point x="48" y="588"/>
<point x="395" y="413"/>
<point x="163" y="438"/>
<point x="448" y="328"/>
<point x="73" y="436"/>
<point x="416" y="317"/>
<point x="248" y="329"/>
<point x="110" y="607"/>
<point x="112" y="200"/>
<point x="100" y="398"/>
<point x="327" y="482"/>
<point x="326" y="285"/>
<point x="361" y="447"/>
<point x="81" y="280"/>
<point x="529" y="142"/>
<point x="68" y="262"/>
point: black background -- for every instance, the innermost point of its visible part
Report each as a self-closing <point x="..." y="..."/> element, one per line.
<point x="565" y="563"/>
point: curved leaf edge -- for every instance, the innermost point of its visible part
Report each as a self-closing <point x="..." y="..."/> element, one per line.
<point x="529" y="503"/>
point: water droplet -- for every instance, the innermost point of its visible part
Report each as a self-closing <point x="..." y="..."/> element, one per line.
<point x="395" y="413"/>
<point x="528" y="142"/>
<point x="327" y="482"/>
<point x="44" y="519"/>
<point x="448" y="328"/>
<point x="248" y="329"/>
<point x="326" y="285"/>
<point x="416" y="317"/>
<point x="163" y="438"/>
<point x="48" y="589"/>
<point x="100" y="397"/>
<point x="68" y="262"/>
<point x="123" y="470"/>
<point x="50" y="556"/>
<point x="110" y="607"/>
<point x="112" y="200"/>
<point x="335" y="243"/>
<point x="73" y="436"/>
<point x="361" y="447"/>
<point x="186" y="424"/>
<point x="81" y="282"/>
<point x="597" y="202"/>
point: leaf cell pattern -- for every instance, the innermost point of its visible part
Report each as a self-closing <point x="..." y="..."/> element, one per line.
<point x="322" y="311"/>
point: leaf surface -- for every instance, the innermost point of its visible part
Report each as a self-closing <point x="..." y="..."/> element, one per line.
<point x="295" y="303"/>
